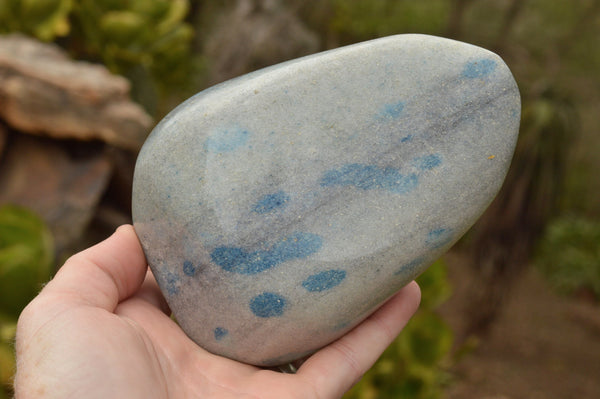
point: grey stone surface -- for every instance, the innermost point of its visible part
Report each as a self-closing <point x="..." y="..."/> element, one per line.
<point x="279" y="209"/>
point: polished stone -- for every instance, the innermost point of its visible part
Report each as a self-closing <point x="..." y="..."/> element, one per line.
<point x="279" y="209"/>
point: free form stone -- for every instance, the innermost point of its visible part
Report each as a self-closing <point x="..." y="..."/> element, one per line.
<point x="279" y="209"/>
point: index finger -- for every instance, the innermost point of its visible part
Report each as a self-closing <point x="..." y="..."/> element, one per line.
<point x="334" y="369"/>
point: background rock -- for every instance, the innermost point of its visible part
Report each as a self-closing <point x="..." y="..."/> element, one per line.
<point x="255" y="34"/>
<point x="3" y="136"/>
<point x="61" y="186"/>
<point x="43" y="92"/>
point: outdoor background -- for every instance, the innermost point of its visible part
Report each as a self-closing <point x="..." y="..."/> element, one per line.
<point x="512" y="311"/>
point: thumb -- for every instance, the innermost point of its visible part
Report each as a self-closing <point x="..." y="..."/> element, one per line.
<point x="102" y="275"/>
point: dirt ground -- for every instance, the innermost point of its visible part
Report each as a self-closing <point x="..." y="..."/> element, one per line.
<point x="543" y="346"/>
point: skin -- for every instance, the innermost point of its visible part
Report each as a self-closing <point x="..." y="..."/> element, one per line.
<point x="101" y="329"/>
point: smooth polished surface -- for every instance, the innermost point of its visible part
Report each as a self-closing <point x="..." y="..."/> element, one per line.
<point x="279" y="209"/>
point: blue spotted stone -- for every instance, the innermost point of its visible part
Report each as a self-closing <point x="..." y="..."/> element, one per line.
<point x="226" y="140"/>
<point x="271" y="201"/>
<point x="238" y="260"/>
<point x="279" y="209"/>
<point x="267" y="305"/>
<point x="188" y="268"/>
<point x="393" y="110"/>
<point x="324" y="281"/>
<point x="479" y="68"/>
<point x="439" y="237"/>
<point x="428" y="162"/>
<point x="370" y="177"/>
<point x="220" y="333"/>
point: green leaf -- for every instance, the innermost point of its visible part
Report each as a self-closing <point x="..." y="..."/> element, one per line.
<point x="26" y="257"/>
<point x="426" y="340"/>
<point x="175" y="15"/>
<point x="435" y="288"/>
<point x="569" y="254"/>
<point x="154" y="9"/>
<point x="36" y="11"/>
<point x="124" y="28"/>
<point x="46" y="19"/>
<point x="366" y="19"/>
<point x="7" y="365"/>
<point x="139" y="34"/>
<point x="8" y="328"/>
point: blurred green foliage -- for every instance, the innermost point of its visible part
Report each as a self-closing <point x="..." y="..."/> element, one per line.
<point x="413" y="366"/>
<point x="26" y="261"/>
<point x="8" y="328"/>
<point x="26" y="257"/>
<point x="133" y="33"/>
<point x="569" y="255"/>
<point x="366" y="19"/>
<point x="44" y="19"/>
<point x="147" y="41"/>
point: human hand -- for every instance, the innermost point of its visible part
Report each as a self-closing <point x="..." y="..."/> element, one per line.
<point x="101" y="329"/>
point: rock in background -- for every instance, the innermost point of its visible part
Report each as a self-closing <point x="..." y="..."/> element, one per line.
<point x="69" y="135"/>
<point x="3" y="136"/>
<point x="43" y="92"/>
<point x="254" y="34"/>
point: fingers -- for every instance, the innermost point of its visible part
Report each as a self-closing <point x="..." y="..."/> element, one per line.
<point x="334" y="369"/>
<point x="104" y="274"/>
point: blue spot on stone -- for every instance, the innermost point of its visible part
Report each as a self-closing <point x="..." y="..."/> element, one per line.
<point x="370" y="177"/>
<point x="238" y="260"/>
<point x="406" y="138"/>
<point x="226" y="140"/>
<point x="437" y="238"/>
<point x="268" y="304"/>
<point x="220" y="333"/>
<point x="428" y="162"/>
<point x="410" y="266"/>
<point x="271" y="201"/>
<point x="340" y="326"/>
<point x="324" y="281"/>
<point x="172" y="283"/>
<point x="393" y="110"/>
<point x="479" y="68"/>
<point x="188" y="268"/>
